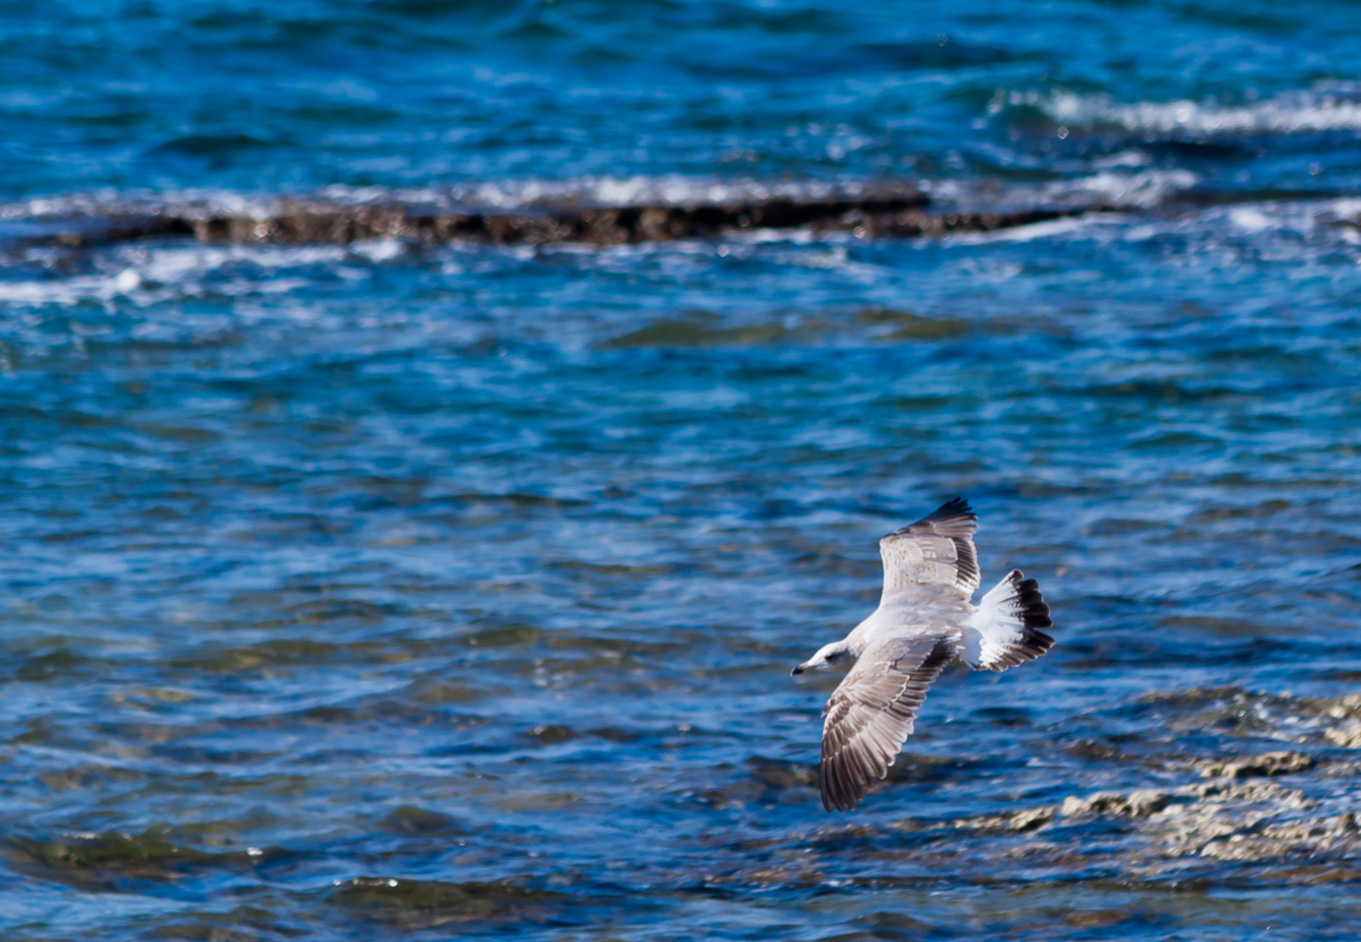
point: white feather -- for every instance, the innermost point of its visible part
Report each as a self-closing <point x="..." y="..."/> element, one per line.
<point x="996" y="625"/>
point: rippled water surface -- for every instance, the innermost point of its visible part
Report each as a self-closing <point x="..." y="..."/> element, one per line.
<point x="398" y="591"/>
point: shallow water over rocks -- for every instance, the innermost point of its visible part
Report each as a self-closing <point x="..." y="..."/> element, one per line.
<point x="401" y="588"/>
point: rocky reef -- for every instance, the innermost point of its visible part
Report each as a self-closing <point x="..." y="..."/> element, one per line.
<point x="893" y="212"/>
<point x="1284" y="816"/>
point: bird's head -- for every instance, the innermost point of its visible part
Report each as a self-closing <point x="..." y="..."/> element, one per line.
<point x="828" y="656"/>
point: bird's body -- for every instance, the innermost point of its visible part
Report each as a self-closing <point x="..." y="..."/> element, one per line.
<point x="926" y="618"/>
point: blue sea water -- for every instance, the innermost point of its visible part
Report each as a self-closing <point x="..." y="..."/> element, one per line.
<point x="391" y="590"/>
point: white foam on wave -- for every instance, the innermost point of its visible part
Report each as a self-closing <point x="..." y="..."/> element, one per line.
<point x="113" y="203"/>
<point x="1125" y="179"/>
<point x="1304" y="237"/>
<point x="378" y="250"/>
<point x="1333" y="107"/>
<point x="1249" y="218"/>
<point x="1028" y="233"/>
<point x="1140" y="188"/>
<point x="675" y="189"/>
<point x="147" y="275"/>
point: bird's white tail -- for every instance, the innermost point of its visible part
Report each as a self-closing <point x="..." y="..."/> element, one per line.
<point x="1005" y="631"/>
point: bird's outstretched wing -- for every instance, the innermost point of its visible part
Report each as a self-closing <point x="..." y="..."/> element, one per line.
<point x="937" y="550"/>
<point x="872" y="713"/>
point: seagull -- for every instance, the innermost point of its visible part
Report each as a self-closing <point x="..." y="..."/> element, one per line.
<point x="925" y="620"/>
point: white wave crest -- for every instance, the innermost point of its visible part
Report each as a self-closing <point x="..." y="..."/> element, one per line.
<point x="140" y="275"/>
<point x="1328" y="108"/>
<point x="672" y="189"/>
<point x="1142" y="188"/>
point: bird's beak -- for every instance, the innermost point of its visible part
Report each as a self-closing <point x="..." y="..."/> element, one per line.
<point x="797" y="670"/>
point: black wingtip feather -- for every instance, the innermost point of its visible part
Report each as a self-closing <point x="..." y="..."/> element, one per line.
<point x="954" y="507"/>
<point x="1034" y="611"/>
<point x="1038" y="640"/>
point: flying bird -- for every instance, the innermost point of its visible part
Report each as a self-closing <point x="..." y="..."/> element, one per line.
<point x="925" y="620"/>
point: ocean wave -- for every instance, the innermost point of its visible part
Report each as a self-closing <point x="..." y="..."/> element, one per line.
<point x="675" y="189"/>
<point x="141" y="276"/>
<point x="1335" y="107"/>
<point x="1143" y="188"/>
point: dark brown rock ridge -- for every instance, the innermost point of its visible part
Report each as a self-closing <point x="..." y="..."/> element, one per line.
<point x="899" y="213"/>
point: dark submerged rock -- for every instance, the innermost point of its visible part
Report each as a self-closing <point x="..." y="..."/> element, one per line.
<point x="894" y="212"/>
<point x="414" y="820"/>
<point x="419" y="904"/>
<point x="111" y="859"/>
<point x="870" y="218"/>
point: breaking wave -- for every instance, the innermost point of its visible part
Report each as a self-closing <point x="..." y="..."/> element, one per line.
<point x="1334" y="107"/>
